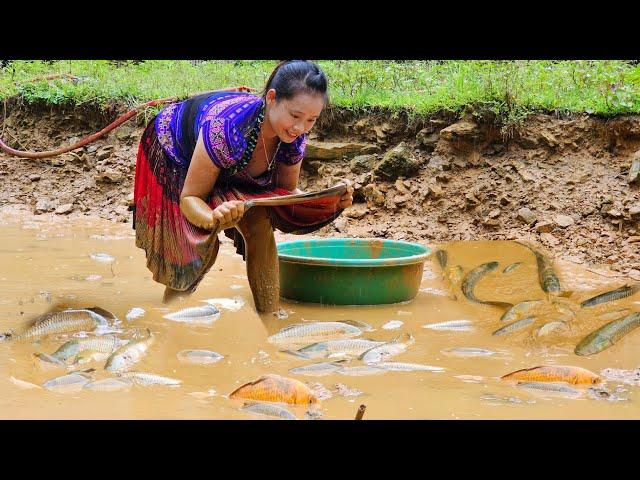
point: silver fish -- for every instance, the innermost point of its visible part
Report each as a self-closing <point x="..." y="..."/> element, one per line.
<point x="73" y="348"/>
<point x="407" y="367"/>
<point x="70" y="382"/>
<point x="385" y="351"/>
<point x="102" y="257"/>
<point x="517" y="309"/>
<point x="551" y="387"/>
<point x="268" y="410"/>
<point x="134" y="313"/>
<point x="317" y="369"/>
<point x="108" y="385"/>
<point x="461" y="325"/>
<point x="335" y="348"/>
<point x="201" y="357"/>
<point x="361" y="370"/>
<point x="468" y="352"/>
<point x="232" y="304"/>
<point x="514" y="326"/>
<point x="146" y="379"/>
<point x="314" y="332"/>
<point x="607" y="316"/>
<point x="203" y="315"/>
<point x="551" y="327"/>
<point x="617" y="294"/>
<point x="129" y="354"/>
<point x="66" y="321"/>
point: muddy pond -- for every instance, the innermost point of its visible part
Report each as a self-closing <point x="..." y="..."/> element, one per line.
<point x="83" y="263"/>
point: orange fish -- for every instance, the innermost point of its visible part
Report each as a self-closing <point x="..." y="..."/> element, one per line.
<point x="554" y="373"/>
<point x="274" y="388"/>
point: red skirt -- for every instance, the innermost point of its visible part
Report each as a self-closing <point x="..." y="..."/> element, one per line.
<point x="180" y="254"/>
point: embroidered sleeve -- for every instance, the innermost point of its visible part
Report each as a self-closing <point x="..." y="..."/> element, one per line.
<point x="223" y="142"/>
<point x="293" y="152"/>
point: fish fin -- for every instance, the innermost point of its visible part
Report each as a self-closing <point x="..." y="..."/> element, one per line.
<point x="356" y="323"/>
<point x="103" y="313"/>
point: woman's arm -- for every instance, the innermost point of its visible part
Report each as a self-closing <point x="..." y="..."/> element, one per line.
<point x="201" y="177"/>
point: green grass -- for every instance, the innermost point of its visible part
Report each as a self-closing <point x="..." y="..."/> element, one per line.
<point x="511" y="89"/>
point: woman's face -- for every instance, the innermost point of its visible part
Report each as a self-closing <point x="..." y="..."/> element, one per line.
<point x="293" y="117"/>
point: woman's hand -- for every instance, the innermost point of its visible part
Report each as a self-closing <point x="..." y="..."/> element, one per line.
<point x="347" y="197"/>
<point x="229" y="213"/>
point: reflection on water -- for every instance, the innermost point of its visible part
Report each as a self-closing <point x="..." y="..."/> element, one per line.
<point x="82" y="263"/>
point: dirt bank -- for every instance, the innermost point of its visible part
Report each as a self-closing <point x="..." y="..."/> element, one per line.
<point x="560" y="181"/>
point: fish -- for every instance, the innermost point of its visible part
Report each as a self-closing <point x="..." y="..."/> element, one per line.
<point x="613" y="315"/>
<point x="454" y="274"/>
<point x="550" y="327"/>
<point x="461" y="325"/>
<point x="268" y="410"/>
<point x="70" y="382"/>
<point x="550" y="387"/>
<point x="385" y="351"/>
<point x="564" y="310"/>
<point x="73" y="348"/>
<point x="365" y="327"/>
<point x="407" y="367"/>
<point x="134" y="313"/>
<point x="203" y="315"/>
<point x="442" y="257"/>
<point x="318" y="369"/>
<point x="201" y="357"/>
<point x="555" y="373"/>
<point x="617" y="294"/>
<point x="517" y="309"/>
<point x="102" y="257"/>
<point x="232" y="304"/>
<point x="335" y="348"/>
<point x="468" y="352"/>
<point x="128" y="354"/>
<point x="274" y="388"/>
<point x="470" y="280"/>
<point x="66" y="321"/>
<point x="22" y="384"/>
<point x="514" y="326"/>
<point x="511" y="267"/>
<point x="314" y="332"/>
<point x="392" y="324"/>
<point x="108" y="385"/>
<point x="605" y="336"/>
<point x="549" y="281"/>
<point x="146" y="379"/>
<point x="361" y="370"/>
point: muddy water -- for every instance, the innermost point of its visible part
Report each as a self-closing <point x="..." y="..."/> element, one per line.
<point x="45" y="263"/>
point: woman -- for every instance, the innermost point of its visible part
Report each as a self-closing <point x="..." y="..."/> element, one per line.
<point x="200" y="159"/>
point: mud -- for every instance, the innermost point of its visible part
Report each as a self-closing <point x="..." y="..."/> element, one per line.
<point x="560" y="181"/>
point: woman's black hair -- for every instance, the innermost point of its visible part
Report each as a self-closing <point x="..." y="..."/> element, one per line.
<point x="291" y="77"/>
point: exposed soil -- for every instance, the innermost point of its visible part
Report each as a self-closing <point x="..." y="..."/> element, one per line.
<point x="432" y="178"/>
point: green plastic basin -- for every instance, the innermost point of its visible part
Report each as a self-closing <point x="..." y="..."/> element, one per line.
<point x="351" y="271"/>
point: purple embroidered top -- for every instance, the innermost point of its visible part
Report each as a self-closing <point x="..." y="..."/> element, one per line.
<point x="230" y="123"/>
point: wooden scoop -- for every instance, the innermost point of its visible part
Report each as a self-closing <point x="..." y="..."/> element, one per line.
<point x="336" y="190"/>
